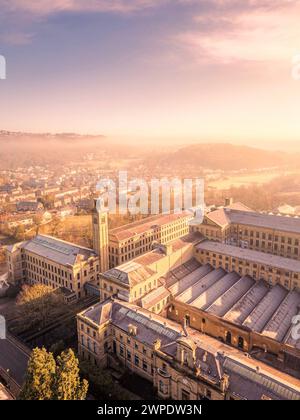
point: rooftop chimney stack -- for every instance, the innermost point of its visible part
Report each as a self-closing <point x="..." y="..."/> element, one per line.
<point x="228" y="201"/>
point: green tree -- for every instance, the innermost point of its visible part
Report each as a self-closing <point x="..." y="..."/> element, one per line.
<point x="68" y="385"/>
<point x="101" y="383"/>
<point x="57" y="348"/>
<point x="30" y="294"/>
<point x="50" y="379"/>
<point x="87" y="236"/>
<point x="37" y="222"/>
<point x="39" y="304"/>
<point x="40" y="376"/>
<point x="2" y="255"/>
<point x="55" y="226"/>
<point x="48" y="201"/>
<point x="19" y="233"/>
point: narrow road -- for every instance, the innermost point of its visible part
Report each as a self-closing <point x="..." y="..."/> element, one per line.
<point x="13" y="358"/>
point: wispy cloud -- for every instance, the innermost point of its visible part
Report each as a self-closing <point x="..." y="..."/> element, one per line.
<point x="23" y="14"/>
<point x="224" y="31"/>
<point x="46" y="7"/>
<point x="236" y="31"/>
<point x="16" y="38"/>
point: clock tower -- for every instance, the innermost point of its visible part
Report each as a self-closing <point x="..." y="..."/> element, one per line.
<point x="100" y="234"/>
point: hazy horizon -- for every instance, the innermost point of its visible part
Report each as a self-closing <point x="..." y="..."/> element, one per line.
<point x="173" y="142"/>
<point x="177" y="72"/>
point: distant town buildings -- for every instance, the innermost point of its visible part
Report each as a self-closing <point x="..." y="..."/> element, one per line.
<point x="29" y="206"/>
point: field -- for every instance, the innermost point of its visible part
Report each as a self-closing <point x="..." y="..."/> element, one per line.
<point x="81" y="222"/>
<point x="75" y="229"/>
<point x="78" y="229"/>
<point x="256" y="178"/>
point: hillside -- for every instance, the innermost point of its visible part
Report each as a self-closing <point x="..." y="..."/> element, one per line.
<point x="25" y="149"/>
<point x="224" y="157"/>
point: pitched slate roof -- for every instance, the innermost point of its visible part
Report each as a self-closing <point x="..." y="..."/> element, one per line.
<point x="130" y="273"/>
<point x="56" y="250"/>
<point x="225" y="216"/>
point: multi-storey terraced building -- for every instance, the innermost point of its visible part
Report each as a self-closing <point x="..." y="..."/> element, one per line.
<point x="122" y="244"/>
<point x="52" y="262"/>
<point x="273" y="234"/>
<point x="180" y="362"/>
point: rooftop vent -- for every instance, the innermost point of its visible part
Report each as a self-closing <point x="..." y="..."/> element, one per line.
<point x="132" y="330"/>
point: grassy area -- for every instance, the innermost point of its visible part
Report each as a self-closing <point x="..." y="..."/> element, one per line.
<point x="69" y="224"/>
<point x="8" y="307"/>
<point x="77" y="229"/>
<point x="103" y="385"/>
<point x="6" y="240"/>
<point x="256" y="178"/>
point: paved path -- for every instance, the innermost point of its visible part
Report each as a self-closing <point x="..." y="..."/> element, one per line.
<point x="4" y="393"/>
<point x="13" y="357"/>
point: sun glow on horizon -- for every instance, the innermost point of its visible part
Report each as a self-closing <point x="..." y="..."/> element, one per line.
<point x="218" y="70"/>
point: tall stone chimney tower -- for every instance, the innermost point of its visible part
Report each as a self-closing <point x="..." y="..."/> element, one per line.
<point x="100" y="235"/>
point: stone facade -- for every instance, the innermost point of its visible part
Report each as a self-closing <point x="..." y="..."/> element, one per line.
<point x="135" y="279"/>
<point x="180" y="362"/>
<point x="137" y="238"/>
<point x="52" y="262"/>
<point x="271" y="268"/>
<point x="277" y="235"/>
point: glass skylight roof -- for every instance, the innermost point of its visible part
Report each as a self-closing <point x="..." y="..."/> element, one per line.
<point x="151" y="324"/>
<point x="260" y="379"/>
<point x="53" y="245"/>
